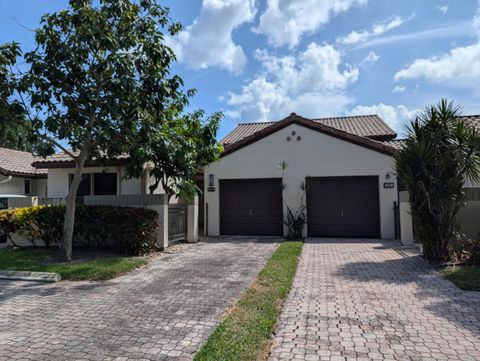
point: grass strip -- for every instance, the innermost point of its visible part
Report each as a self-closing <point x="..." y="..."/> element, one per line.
<point x="94" y="270"/>
<point x="466" y="278"/>
<point x="246" y="331"/>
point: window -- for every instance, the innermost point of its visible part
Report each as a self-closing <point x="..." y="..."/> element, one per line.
<point x="84" y="189"/>
<point x="99" y="184"/>
<point x="105" y="184"/>
<point x="26" y="186"/>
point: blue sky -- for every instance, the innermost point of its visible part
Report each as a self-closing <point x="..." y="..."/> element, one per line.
<point x="258" y="60"/>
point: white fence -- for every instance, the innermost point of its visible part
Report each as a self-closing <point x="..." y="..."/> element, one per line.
<point x="157" y="202"/>
<point x="468" y="217"/>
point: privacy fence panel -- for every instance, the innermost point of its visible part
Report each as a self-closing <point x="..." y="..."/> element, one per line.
<point x="177" y="222"/>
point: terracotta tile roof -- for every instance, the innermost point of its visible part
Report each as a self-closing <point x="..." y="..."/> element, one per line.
<point x="64" y="160"/>
<point x="370" y="126"/>
<point x="18" y="163"/>
<point x="395" y="143"/>
<point x="308" y="123"/>
<point x="473" y="120"/>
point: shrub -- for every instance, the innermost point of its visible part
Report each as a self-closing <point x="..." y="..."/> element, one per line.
<point x="127" y="230"/>
<point x="464" y="250"/>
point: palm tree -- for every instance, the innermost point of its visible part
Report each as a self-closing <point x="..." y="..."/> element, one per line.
<point x="441" y="153"/>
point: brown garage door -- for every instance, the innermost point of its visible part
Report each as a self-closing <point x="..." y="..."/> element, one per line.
<point x="251" y="207"/>
<point x="343" y="207"/>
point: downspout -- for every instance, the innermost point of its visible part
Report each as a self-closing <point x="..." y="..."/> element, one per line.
<point x="9" y="178"/>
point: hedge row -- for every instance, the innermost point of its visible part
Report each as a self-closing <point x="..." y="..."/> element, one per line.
<point x="127" y="230"/>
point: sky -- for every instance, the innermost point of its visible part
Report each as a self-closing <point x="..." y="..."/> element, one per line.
<point x="260" y="60"/>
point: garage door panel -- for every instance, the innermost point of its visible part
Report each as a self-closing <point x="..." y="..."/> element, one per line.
<point x="343" y="207"/>
<point x="251" y="207"/>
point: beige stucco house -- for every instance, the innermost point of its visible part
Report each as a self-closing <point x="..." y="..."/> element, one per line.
<point x="340" y="169"/>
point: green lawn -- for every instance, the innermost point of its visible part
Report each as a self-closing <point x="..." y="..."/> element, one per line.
<point x="246" y="331"/>
<point x="38" y="261"/>
<point x="466" y="278"/>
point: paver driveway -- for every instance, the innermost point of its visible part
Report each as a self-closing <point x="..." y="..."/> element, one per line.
<point x="354" y="300"/>
<point x="167" y="310"/>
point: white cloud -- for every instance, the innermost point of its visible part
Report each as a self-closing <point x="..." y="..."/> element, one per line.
<point x="208" y="41"/>
<point x="398" y="89"/>
<point x="284" y="22"/>
<point x="370" y="59"/>
<point x="395" y="116"/>
<point x="460" y="63"/>
<point x="312" y="83"/>
<point x="356" y="37"/>
<point x="442" y="8"/>
<point x="450" y="31"/>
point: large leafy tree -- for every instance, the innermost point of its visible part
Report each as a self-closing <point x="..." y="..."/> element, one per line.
<point x="176" y="152"/>
<point x="100" y="73"/>
<point x="441" y="153"/>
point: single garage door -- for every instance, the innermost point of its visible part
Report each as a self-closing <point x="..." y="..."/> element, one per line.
<point x="251" y="207"/>
<point x="343" y="207"/>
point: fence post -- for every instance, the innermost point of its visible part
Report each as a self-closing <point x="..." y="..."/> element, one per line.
<point x="192" y="220"/>
<point x="162" y="231"/>
<point x="406" y="223"/>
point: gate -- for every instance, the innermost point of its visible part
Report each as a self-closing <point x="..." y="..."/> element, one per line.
<point x="177" y="222"/>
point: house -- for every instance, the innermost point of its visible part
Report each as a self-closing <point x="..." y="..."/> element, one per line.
<point x="18" y="177"/>
<point x="340" y="169"/>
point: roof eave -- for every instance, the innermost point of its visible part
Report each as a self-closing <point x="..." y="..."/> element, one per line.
<point x="45" y="164"/>
<point x="296" y="119"/>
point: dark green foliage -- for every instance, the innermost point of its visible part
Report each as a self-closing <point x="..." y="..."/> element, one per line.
<point x="14" y="129"/>
<point x="177" y="152"/>
<point x="131" y="231"/>
<point x="294" y="222"/>
<point x="441" y="152"/>
<point x="245" y="332"/>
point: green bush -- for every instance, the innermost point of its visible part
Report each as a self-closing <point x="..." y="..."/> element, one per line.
<point x="127" y="230"/>
<point x="464" y="250"/>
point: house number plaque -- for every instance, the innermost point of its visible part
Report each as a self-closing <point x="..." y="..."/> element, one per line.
<point x="388" y="185"/>
<point x="211" y="189"/>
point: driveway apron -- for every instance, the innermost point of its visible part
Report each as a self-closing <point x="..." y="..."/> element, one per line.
<point x="164" y="311"/>
<point x="370" y="300"/>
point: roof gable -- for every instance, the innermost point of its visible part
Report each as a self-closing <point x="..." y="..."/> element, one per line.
<point x="370" y="126"/>
<point x="307" y="123"/>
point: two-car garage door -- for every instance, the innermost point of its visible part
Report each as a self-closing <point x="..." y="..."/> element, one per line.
<point x="336" y="207"/>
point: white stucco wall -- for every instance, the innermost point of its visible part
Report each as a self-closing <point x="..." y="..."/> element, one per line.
<point x="315" y="155"/>
<point x="14" y="186"/>
<point x="17" y="186"/>
<point x="58" y="181"/>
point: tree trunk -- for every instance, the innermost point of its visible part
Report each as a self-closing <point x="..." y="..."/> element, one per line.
<point x="69" y="222"/>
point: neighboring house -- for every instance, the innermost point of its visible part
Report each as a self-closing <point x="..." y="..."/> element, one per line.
<point x="107" y="178"/>
<point x="18" y="177"/>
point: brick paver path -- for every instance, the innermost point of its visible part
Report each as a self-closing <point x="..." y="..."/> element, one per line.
<point x="368" y="301"/>
<point x="165" y="311"/>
